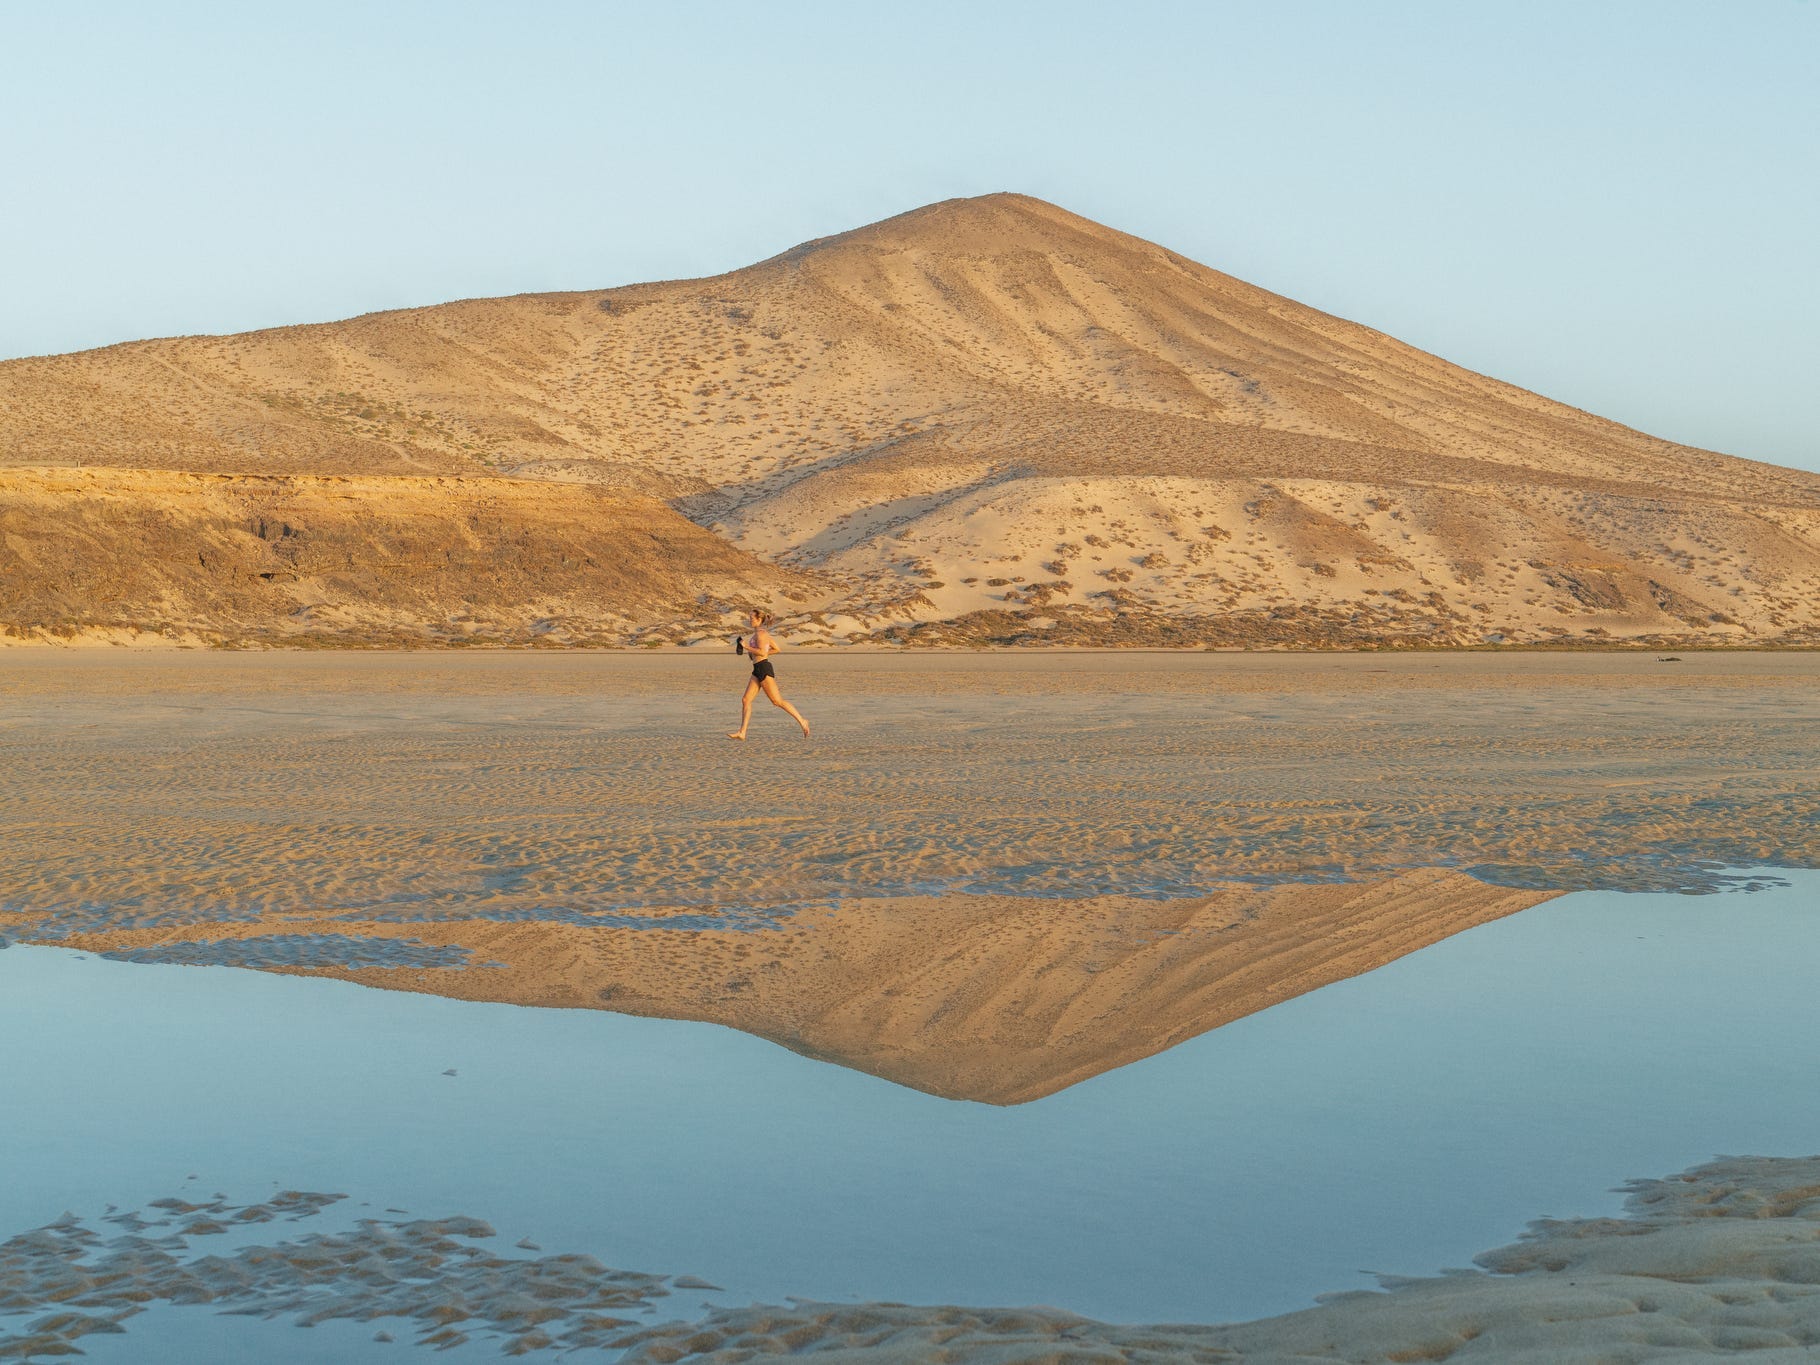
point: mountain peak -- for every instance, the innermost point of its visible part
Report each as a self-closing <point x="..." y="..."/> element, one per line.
<point x="985" y="419"/>
<point x="986" y="224"/>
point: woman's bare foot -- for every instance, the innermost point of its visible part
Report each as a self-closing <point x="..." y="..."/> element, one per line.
<point x="805" y="724"/>
<point x="735" y="734"/>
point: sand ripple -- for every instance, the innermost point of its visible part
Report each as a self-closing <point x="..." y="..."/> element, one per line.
<point x="602" y="786"/>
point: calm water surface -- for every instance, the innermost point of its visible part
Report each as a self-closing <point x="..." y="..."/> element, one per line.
<point x="1399" y="1122"/>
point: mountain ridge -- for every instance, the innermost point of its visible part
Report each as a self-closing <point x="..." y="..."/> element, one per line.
<point x="895" y="416"/>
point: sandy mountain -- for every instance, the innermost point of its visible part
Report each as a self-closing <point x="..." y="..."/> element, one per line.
<point x="988" y="419"/>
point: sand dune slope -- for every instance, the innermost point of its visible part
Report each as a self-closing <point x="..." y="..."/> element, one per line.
<point x="990" y="419"/>
<point x="274" y="559"/>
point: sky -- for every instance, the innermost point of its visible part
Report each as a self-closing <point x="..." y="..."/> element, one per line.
<point x="1615" y="204"/>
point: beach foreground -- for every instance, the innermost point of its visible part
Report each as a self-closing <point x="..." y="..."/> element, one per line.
<point x="988" y="876"/>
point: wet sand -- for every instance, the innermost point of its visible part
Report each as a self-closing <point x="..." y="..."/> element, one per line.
<point x="988" y="876"/>
<point x="1719" y="1260"/>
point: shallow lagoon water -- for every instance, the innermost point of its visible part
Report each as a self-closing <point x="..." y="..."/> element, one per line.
<point x="1397" y="1122"/>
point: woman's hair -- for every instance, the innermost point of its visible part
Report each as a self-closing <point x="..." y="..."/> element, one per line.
<point x="764" y="617"/>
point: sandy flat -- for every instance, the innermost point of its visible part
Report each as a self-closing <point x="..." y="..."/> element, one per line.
<point x="705" y="669"/>
<point x="988" y="875"/>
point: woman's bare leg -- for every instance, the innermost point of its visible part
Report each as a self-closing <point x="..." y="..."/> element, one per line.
<point x="745" y="710"/>
<point x="777" y="699"/>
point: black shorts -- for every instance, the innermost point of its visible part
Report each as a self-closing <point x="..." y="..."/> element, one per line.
<point x="762" y="670"/>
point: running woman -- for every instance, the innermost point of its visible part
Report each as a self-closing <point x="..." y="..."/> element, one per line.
<point x="760" y="646"/>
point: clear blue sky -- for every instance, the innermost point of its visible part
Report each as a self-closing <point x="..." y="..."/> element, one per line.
<point x="1617" y="204"/>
